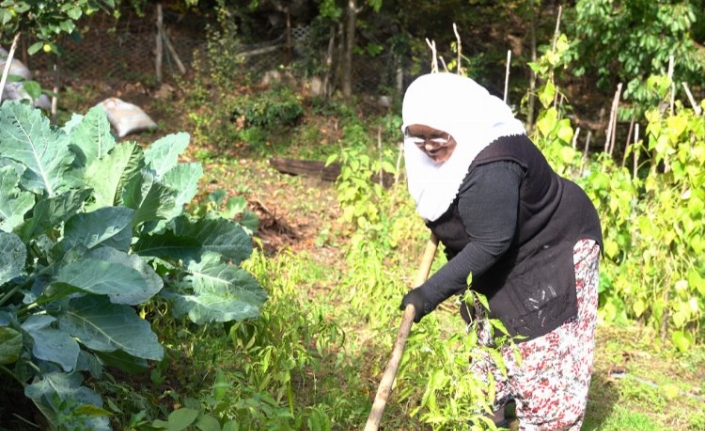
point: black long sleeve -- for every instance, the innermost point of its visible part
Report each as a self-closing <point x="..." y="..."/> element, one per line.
<point x="488" y="203"/>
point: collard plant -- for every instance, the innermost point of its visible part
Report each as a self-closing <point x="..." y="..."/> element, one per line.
<point x="90" y="231"/>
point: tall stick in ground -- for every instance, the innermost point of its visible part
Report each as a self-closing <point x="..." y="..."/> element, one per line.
<point x="612" y="124"/>
<point x="698" y="110"/>
<point x="506" y="76"/>
<point x="636" y="151"/>
<point x="458" y="68"/>
<point x="8" y="63"/>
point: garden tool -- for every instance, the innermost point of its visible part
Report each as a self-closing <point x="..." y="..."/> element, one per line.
<point x="385" y="386"/>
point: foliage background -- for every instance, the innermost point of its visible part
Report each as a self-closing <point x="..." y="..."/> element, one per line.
<point x="334" y="275"/>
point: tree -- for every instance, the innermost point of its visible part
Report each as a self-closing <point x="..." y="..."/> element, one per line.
<point x="631" y="40"/>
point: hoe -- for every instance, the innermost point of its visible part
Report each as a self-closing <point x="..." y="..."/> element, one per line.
<point x="385" y="386"/>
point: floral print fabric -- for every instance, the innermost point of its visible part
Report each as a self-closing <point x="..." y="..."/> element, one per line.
<point x="550" y="381"/>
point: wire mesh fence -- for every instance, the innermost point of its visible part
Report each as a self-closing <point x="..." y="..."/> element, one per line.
<point x="118" y="54"/>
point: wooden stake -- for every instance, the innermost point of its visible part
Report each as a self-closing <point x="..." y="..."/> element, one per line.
<point x="629" y="138"/>
<point x="399" y="157"/>
<point x="506" y="75"/>
<point x="698" y="110"/>
<point x="636" y="151"/>
<point x="434" y="60"/>
<point x="585" y="152"/>
<point x="532" y="74"/>
<point x="671" y="65"/>
<point x="612" y="124"/>
<point x="556" y="33"/>
<point x="381" y="156"/>
<point x="173" y="53"/>
<point x="443" y="62"/>
<point x="8" y="63"/>
<point x="575" y="138"/>
<point x="458" y="68"/>
<point x="160" y="49"/>
<point x="57" y="86"/>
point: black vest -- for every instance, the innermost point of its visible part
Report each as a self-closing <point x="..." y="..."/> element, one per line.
<point x="531" y="288"/>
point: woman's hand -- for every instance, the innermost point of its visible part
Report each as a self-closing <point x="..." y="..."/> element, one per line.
<point x="422" y="304"/>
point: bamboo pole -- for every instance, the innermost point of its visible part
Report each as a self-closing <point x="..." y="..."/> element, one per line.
<point x="57" y="87"/>
<point x="583" y="160"/>
<point x="381" y="156"/>
<point x="399" y="157"/>
<point x="626" y="145"/>
<point x="458" y="68"/>
<point x="434" y="59"/>
<point x="532" y="74"/>
<point x="698" y="110"/>
<point x="160" y="49"/>
<point x="506" y="75"/>
<point x="556" y="33"/>
<point x="575" y="138"/>
<point x="8" y="63"/>
<point x="612" y="124"/>
<point x="443" y="62"/>
<point x="173" y="53"/>
<point x="636" y="151"/>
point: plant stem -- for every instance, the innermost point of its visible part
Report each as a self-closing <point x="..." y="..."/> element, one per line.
<point x="9" y="294"/>
<point x="11" y="374"/>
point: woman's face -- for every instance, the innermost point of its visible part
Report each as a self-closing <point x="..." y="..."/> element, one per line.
<point x="436" y="144"/>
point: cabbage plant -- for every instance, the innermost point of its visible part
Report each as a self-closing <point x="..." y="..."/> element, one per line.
<point x="90" y="232"/>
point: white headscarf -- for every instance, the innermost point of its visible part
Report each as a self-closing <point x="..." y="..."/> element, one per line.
<point x="465" y="110"/>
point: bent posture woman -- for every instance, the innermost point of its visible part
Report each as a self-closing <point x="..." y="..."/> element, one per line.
<point x="529" y="238"/>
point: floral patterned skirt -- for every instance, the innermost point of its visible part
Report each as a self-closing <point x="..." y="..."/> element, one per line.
<point x="550" y="382"/>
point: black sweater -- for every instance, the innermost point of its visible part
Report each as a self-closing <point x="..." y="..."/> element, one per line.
<point x="513" y="227"/>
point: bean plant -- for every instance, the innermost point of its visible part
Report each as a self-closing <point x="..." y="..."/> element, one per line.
<point x="651" y="213"/>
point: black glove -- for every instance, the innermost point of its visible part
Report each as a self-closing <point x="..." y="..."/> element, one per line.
<point x="422" y="304"/>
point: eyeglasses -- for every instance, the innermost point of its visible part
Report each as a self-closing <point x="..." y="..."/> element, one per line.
<point x="420" y="142"/>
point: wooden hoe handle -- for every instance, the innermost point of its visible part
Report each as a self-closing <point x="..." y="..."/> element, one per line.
<point x="385" y="386"/>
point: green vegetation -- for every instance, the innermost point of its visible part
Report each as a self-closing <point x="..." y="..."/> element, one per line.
<point x="91" y="233"/>
<point x="156" y="252"/>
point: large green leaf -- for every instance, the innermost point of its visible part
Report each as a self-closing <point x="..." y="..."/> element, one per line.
<point x="14" y="203"/>
<point x="48" y="213"/>
<point x="108" y="226"/>
<point x="162" y="155"/>
<point x="106" y="327"/>
<point x="26" y="137"/>
<point x="208" y="307"/>
<point x="151" y="199"/>
<point x="184" y="179"/>
<point x="125" y="278"/>
<point x="69" y="389"/>
<point x="110" y="175"/>
<point x="189" y="240"/>
<point x="123" y="361"/>
<point x="221" y="293"/>
<point x="91" y="135"/>
<point x="10" y="345"/>
<point x="13" y="254"/>
<point x="51" y="344"/>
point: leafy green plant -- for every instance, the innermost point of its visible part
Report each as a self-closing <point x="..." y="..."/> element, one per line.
<point x="632" y="40"/>
<point x="359" y="186"/>
<point x="47" y="20"/>
<point x="90" y="232"/>
<point x="274" y="108"/>
<point x="653" y="269"/>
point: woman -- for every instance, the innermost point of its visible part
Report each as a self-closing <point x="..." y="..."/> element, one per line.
<point x="529" y="238"/>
